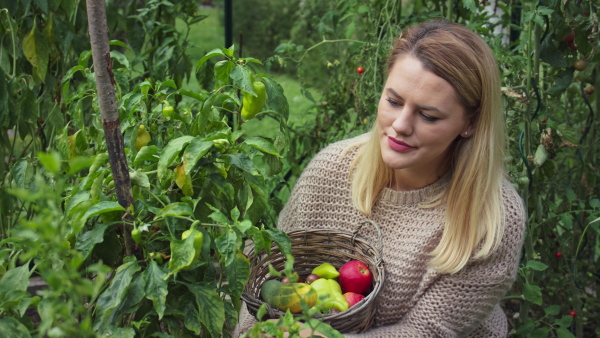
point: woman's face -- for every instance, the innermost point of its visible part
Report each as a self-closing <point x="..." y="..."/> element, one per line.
<point x="418" y="118"/>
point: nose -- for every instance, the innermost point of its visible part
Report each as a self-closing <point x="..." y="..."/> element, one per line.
<point x="403" y="123"/>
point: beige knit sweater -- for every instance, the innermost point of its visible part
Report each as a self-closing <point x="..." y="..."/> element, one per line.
<point x="415" y="301"/>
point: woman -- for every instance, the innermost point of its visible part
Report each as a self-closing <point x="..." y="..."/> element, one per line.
<point x="430" y="174"/>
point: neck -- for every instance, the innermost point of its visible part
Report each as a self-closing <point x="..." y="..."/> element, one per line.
<point x="407" y="179"/>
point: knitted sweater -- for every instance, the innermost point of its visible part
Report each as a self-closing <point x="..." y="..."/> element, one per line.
<point x="416" y="301"/>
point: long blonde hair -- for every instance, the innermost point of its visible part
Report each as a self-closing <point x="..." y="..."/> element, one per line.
<point x="474" y="221"/>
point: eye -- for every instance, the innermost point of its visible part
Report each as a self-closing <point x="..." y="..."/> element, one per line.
<point x="392" y="102"/>
<point x="428" y="118"/>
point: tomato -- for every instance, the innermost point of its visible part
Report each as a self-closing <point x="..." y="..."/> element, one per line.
<point x="572" y="313"/>
<point x="167" y="112"/>
<point x="569" y="38"/>
<point x="589" y="90"/>
<point x="572" y="46"/>
<point x="136" y="235"/>
<point x="580" y="65"/>
<point x="360" y="70"/>
<point x="558" y="254"/>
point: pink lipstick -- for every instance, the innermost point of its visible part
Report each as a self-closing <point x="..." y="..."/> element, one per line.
<point x="399" y="145"/>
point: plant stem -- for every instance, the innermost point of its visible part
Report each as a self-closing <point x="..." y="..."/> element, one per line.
<point x="324" y="42"/>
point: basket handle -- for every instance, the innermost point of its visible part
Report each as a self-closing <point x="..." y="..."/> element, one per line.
<point x="379" y="235"/>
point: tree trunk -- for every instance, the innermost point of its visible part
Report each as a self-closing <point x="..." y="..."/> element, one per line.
<point x="105" y="83"/>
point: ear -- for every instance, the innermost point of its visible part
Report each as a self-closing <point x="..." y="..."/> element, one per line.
<point x="468" y="132"/>
<point x="469" y="129"/>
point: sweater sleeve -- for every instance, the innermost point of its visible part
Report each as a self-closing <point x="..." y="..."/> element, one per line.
<point x="455" y="305"/>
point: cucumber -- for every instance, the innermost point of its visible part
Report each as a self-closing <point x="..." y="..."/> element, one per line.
<point x="286" y="296"/>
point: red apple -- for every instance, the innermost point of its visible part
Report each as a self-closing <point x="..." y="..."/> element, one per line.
<point x="353" y="298"/>
<point x="311" y="278"/>
<point x="355" y="277"/>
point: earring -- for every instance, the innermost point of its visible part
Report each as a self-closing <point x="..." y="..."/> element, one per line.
<point x="466" y="132"/>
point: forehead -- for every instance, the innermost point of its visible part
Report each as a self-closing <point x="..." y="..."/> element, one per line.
<point x="409" y="77"/>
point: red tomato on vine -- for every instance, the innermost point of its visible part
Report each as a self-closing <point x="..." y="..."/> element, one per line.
<point x="360" y="70"/>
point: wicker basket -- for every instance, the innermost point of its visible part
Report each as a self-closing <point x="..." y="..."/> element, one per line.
<point x="311" y="248"/>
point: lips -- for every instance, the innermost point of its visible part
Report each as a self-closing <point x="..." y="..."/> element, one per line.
<point x="399" y="145"/>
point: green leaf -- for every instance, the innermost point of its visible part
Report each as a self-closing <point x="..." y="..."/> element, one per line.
<point x="262" y="145"/>
<point x="221" y="185"/>
<point x="112" y="297"/>
<point x="282" y="240"/>
<point x="99" y="160"/>
<point x="244" y="225"/>
<point x="10" y="327"/>
<point x="470" y="5"/>
<point x="191" y="94"/>
<point x="551" y="54"/>
<point x="259" y="204"/>
<point x="156" y="287"/>
<point x="14" y="279"/>
<point x="35" y="49"/>
<point x="188" y="305"/>
<point x="120" y="332"/>
<point x="532" y="293"/>
<point x="237" y="274"/>
<point x="217" y="215"/>
<point x="526" y="328"/>
<point x="276" y="99"/>
<point x="19" y="171"/>
<point x="235" y="214"/>
<point x="537" y="265"/>
<point x="552" y="310"/>
<point x="565" y="321"/>
<point x="223" y="69"/>
<point x="120" y="44"/>
<point x="275" y="164"/>
<point x="174" y="209"/>
<point x="595" y="203"/>
<point x="79" y="163"/>
<point x="541" y="332"/>
<point x="562" y="332"/>
<point x="5" y="116"/>
<point x="139" y="178"/>
<point x="322" y="328"/>
<point x="102" y="207"/>
<point x="211" y="308"/>
<point x="242" y="161"/>
<point x="76" y="200"/>
<point x="258" y="239"/>
<point x="50" y="161"/>
<point x="242" y="77"/>
<point x="85" y="243"/>
<point x="212" y="53"/>
<point x="169" y="153"/>
<point x="194" y="152"/>
<point x="228" y="245"/>
<point x="147" y="153"/>
<point x="182" y="254"/>
<point x="119" y="57"/>
<point x="262" y="310"/>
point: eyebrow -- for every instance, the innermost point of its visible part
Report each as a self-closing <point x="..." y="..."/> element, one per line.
<point x="397" y="96"/>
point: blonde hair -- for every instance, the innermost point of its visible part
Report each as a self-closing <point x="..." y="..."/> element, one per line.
<point x="474" y="221"/>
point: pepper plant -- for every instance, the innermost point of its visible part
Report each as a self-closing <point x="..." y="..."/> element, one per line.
<point x="198" y="172"/>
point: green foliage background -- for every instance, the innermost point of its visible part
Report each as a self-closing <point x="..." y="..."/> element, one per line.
<point x="60" y="219"/>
